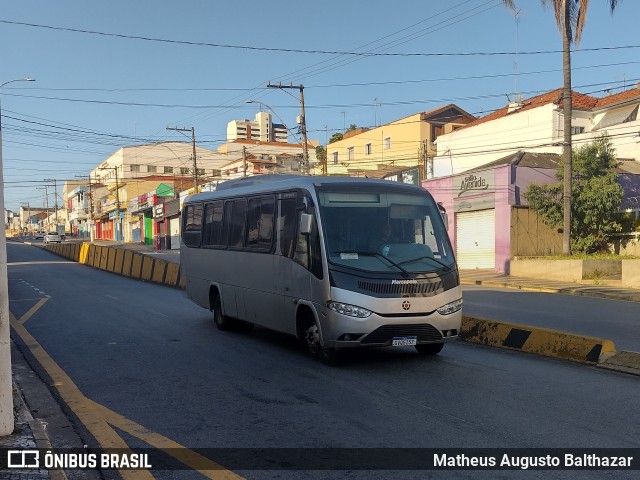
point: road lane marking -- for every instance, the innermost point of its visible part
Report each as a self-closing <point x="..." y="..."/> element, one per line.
<point x="99" y="420"/>
<point x="32" y="310"/>
<point x="77" y="402"/>
<point x="202" y="464"/>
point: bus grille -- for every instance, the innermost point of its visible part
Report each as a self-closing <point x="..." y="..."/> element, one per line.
<point x="426" y="289"/>
<point x="425" y="333"/>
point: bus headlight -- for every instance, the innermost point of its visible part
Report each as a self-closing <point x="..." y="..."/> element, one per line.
<point x="346" y="309"/>
<point x="450" y="308"/>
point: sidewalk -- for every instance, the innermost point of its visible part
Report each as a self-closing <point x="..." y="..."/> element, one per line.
<point x="489" y="278"/>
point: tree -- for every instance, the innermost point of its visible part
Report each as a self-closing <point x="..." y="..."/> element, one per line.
<point x="336" y="137"/>
<point x="596" y="197"/>
<point x="321" y="156"/>
<point x="571" y="16"/>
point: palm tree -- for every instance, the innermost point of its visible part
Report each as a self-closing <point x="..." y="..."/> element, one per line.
<point x="571" y="16"/>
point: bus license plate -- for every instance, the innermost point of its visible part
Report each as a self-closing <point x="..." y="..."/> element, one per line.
<point x="400" y="341"/>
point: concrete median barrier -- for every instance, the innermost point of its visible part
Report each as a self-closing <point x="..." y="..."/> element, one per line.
<point x="147" y="268"/>
<point x="541" y="341"/>
<point x="159" y="269"/>
<point x="172" y="276"/>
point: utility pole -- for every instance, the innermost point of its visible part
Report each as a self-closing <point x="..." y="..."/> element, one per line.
<point x="193" y="143"/>
<point x="46" y="203"/>
<point x="55" y="197"/>
<point x="90" y="207"/>
<point x="244" y="160"/>
<point x="303" y="122"/>
<point x="119" y="233"/>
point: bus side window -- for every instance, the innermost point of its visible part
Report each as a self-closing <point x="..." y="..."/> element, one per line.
<point x="234" y="221"/>
<point x="212" y="234"/>
<point x="260" y="223"/>
<point x="287" y="226"/>
<point x="192" y="227"/>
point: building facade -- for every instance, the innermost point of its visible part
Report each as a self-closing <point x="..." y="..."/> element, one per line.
<point x="404" y="143"/>
<point x="133" y="171"/>
<point x="537" y="125"/>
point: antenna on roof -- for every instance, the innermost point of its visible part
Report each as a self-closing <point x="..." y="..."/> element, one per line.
<point x="515" y="62"/>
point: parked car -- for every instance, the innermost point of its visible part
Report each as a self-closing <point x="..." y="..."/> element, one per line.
<point x="40" y="235"/>
<point x="52" y="237"/>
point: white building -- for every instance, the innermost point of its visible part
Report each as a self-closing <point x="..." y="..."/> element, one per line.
<point x="261" y="128"/>
<point x="536" y="125"/>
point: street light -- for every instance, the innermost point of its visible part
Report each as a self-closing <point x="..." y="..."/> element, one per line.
<point x="6" y="392"/>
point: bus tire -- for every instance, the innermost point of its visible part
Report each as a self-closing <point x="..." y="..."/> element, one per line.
<point x="429" y="348"/>
<point x="221" y="321"/>
<point x="310" y="337"/>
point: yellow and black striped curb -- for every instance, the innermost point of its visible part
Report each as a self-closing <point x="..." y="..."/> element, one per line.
<point x="122" y="262"/>
<point x="541" y="341"/>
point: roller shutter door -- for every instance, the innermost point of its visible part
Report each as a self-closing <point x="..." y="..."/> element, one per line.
<point x="476" y="239"/>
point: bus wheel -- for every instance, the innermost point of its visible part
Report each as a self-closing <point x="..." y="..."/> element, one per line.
<point x="430" y="348"/>
<point x="311" y="342"/>
<point x="222" y="321"/>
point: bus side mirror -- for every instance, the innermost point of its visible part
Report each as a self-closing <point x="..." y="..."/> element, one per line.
<point x="443" y="213"/>
<point x="306" y="221"/>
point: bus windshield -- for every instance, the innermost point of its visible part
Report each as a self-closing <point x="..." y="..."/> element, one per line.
<point x="379" y="231"/>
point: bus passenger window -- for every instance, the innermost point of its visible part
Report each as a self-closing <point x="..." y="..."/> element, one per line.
<point x="212" y="234"/>
<point x="192" y="228"/>
<point x="235" y="219"/>
<point x="260" y="223"/>
<point x="287" y="226"/>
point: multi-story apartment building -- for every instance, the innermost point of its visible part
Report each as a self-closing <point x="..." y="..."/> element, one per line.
<point x="407" y="143"/>
<point x="261" y="129"/>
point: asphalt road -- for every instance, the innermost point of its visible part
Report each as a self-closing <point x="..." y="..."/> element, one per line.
<point x="146" y="353"/>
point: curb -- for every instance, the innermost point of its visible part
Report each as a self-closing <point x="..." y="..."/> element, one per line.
<point x="548" y="343"/>
<point x="541" y="341"/>
<point x="624" y="361"/>
<point x="122" y="262"/>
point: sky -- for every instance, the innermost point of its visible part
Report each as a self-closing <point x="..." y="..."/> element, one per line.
<point x="117" y="73"/>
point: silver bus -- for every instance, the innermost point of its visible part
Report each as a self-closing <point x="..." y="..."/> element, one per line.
<point x="338" y="262"/>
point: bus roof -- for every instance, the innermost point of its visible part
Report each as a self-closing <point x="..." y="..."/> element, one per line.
<point x="270" y="182"/>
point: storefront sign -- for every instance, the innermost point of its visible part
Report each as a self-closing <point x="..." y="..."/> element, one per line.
<point x="158" y="211"/>
<point x="412" y="177"/>
<point x="474" y="183"/>
<point x="114" y="214"/>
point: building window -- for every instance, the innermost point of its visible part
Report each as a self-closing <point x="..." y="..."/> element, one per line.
<point x="351" y="153"/>
<point x="577" y="130"/>
<point x="184" y="171"/>
<point x="135" y="168"/>
<point x="168" y="169"/>
<point x="368" y="149"/>
<point x="200" y="171"/>
<point x="152" y="169"/>
<point x="334" y="157"/>
<point x="387" y="143"/>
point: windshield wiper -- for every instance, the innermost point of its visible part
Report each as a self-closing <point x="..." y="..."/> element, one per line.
<point x="423" y="257"/>
<point x="377" y="255"/>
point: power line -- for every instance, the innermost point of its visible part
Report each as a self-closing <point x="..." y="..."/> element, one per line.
<point x="306" y="51"/>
